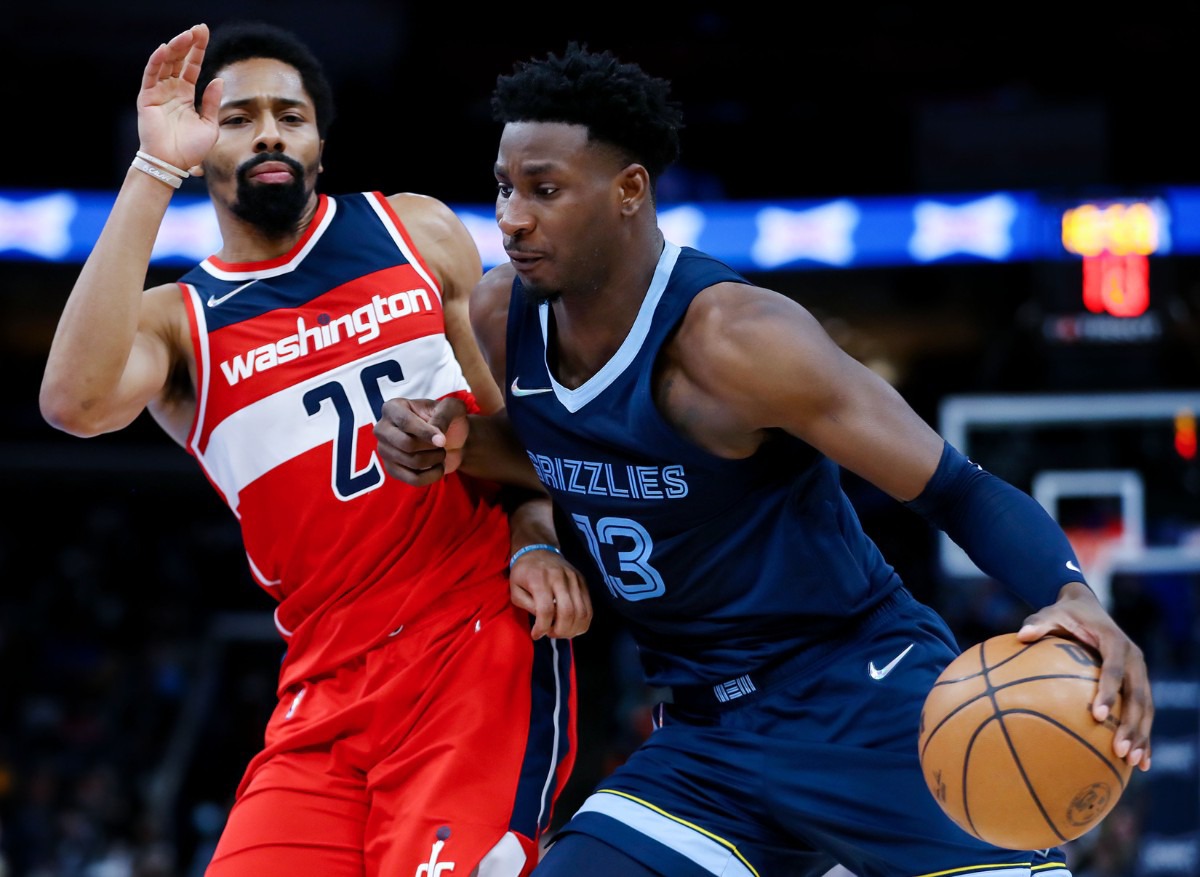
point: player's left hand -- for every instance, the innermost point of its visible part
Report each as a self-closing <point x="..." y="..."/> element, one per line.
<point x="1079" y="614"/>
<point x="553" y="592"/>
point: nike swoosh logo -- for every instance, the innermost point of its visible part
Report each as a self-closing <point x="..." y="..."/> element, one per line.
<point x="521" y="391"/>
<point x="1072" y="566"/>
<point x="213" y="301"/>
<point x="889" y="666"/>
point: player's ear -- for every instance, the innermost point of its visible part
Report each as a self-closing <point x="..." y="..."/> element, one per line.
<point x="633" y="187"/>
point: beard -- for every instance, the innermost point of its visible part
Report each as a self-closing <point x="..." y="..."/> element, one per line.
<point x="274" y="208"/>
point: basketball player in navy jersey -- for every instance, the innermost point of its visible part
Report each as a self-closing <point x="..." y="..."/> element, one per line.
<point x="690" y="427"/>
<point x="425" y="715"/>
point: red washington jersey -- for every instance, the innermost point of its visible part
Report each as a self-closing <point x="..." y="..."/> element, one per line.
<point x="294" y="359"/>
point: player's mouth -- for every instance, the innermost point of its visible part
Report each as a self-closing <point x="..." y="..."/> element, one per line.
<point x="523" y="258"/>
<point x="270" y="172"/>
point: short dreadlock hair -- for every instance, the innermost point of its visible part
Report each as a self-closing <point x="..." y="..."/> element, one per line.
<point x="242" y="40"/>
<point x="618" y="102"/>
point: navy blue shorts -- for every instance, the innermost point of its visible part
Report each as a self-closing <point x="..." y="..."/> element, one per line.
<point x="791" y="772"/>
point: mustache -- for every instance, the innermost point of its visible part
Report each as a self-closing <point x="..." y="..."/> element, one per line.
<point x="263" y="157"/>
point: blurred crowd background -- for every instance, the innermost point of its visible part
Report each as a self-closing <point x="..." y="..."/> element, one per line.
<point x="137" y="656"/>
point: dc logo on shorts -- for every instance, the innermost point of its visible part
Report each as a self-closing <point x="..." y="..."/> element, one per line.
<point x="434" y="868"/>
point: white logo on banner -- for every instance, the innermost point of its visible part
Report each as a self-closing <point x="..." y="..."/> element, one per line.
<point x="41" y="226"/>
<point x="682" y="225"/>
<point x="978" y="228"/>
<point x="823" y="234"/>
<point x="188" y="231"/>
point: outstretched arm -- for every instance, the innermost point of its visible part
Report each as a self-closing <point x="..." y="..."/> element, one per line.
<point x="815" y="391"/>
<point x="114" y="349"/>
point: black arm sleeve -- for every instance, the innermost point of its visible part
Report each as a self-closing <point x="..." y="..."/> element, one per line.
<point x="1008" y="535"/>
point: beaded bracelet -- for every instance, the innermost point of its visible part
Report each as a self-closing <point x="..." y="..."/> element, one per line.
<point x="537" y="546"/>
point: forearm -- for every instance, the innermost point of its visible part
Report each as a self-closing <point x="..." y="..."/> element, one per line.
<point x="530" y="518"/>
<point x="1008" y="535"/>
<point x="493" y="452"/>
<point x="98" y="327"/>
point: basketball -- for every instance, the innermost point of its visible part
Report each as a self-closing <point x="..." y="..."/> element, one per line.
<point x="1009" y="747"/>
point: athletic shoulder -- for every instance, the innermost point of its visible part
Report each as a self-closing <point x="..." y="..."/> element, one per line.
<point x="730" y="329"/>
<point x="489" y="310"/>
<point x="442" y="239"/>
<point x="164" y="317"/>
<point x="494" y="288"/>
<point x="426" y="215"/>
<point x="734" y="307"/>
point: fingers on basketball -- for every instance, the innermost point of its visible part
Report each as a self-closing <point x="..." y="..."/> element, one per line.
<point x="1009" y="747"/>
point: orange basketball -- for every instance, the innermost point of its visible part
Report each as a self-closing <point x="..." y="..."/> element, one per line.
<point x="1009" y="747"/>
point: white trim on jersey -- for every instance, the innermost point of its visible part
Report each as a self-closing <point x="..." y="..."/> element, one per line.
<point x="259" y="576"/>
<point x="574" y="400"/>
<point x="283" y="631"/>
<point x="289" y="265"/>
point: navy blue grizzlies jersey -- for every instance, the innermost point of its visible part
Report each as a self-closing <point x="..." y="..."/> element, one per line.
<point x="719" y="566"/>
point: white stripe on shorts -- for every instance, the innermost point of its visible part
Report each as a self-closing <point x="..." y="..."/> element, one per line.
<point x="713" y="854"/>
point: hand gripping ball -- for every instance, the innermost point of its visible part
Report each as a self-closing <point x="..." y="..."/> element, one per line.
<point x="1010" y="749"/>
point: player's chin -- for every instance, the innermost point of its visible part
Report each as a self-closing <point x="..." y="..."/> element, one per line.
<point x="538" y="286"/>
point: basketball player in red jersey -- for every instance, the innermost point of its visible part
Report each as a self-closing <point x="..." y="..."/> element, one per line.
<point x="425" y="721"/>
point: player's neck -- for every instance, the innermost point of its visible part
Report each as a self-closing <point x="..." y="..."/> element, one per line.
<point x="244" y="241"/>
<point x="591" y="324"/>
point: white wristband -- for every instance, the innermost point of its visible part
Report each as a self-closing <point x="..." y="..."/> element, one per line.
<point x="165" y="165"/>
<point x="158" y="173"/>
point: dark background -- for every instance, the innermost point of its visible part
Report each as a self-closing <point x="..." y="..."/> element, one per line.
<point x="845" y="98"/>
<point x="128" y="705"/>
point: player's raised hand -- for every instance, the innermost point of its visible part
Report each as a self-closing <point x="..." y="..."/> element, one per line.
<point x="169" y="127"/>
<point x="1078" y="614"/>
<point x="421" y="440"/>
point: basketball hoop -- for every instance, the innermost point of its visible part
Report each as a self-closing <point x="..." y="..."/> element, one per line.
<point x="1096" y="548"/>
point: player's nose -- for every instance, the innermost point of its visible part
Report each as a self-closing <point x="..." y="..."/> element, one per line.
<point x="268" y="137"/>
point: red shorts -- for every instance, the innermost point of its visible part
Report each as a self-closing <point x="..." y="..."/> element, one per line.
<point x="438" y="753"/>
